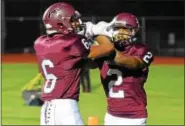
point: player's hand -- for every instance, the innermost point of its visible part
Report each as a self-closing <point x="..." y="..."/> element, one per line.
<point x="102" y="28"/>
<point x="87" y="30"/>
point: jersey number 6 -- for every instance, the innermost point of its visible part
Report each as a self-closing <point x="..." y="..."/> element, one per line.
<point x="86" y="44"/>
<point x="50" y="78"/>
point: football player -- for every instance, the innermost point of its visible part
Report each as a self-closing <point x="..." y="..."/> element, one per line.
<point x="123" y="74"/>
<point x="60" y="56"/>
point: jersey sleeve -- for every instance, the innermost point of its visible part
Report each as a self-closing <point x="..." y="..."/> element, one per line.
<point x="144" y="54"/>
<point x="80" y="48"/>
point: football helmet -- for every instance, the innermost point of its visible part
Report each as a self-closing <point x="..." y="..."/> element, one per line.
<point x="61" y="18"/>
<point x="125" y="26"/>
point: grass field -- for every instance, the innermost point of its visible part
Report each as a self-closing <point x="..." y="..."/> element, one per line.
<point x="165" y="89"/>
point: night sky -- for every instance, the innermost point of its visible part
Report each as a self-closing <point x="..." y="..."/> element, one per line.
<point x="101" y="8"/>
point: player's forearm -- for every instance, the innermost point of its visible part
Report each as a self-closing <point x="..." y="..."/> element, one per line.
<point x="103" y="40"/>
<point x="100" y="51"/>
<point x="104" y="47"/>
<point x="130" y="62"/>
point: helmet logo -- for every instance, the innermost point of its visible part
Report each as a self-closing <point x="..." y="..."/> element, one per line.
<point x="55" y="13"/>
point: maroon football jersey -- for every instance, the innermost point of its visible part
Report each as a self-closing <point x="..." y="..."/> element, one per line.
<point x="59" y="58"/>
<point x="124" y="87"/>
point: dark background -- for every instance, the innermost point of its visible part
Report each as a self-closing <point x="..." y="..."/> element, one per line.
<point x="23" y="21"/>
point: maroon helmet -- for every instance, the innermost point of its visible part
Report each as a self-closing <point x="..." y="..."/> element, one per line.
<point x="128" y="22"/>
<point x="58" y="18"/>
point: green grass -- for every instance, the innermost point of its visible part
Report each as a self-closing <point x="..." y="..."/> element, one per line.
<point x="165" y="89"/>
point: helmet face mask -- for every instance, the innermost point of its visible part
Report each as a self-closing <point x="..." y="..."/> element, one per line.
<point x="123" y="35"/>
<point x="76" y="22"/>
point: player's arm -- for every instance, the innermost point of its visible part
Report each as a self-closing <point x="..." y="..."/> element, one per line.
<point x="104" y="47"/>
<point x="133" y="62"/>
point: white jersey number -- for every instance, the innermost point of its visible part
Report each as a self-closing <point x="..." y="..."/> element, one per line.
<point x="120" y="93"/>
<point x="50" y="78"/>
<point x="147" y="57"/>
<point x="86" y="44"/>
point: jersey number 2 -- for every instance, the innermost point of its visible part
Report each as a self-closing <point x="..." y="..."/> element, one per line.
<point x="50" y="78"/>
<point x="112" y="83"/>
<point x="147" y="57"/>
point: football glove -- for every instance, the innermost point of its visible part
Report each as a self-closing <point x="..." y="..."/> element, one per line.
<point x="101" y="28"/>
